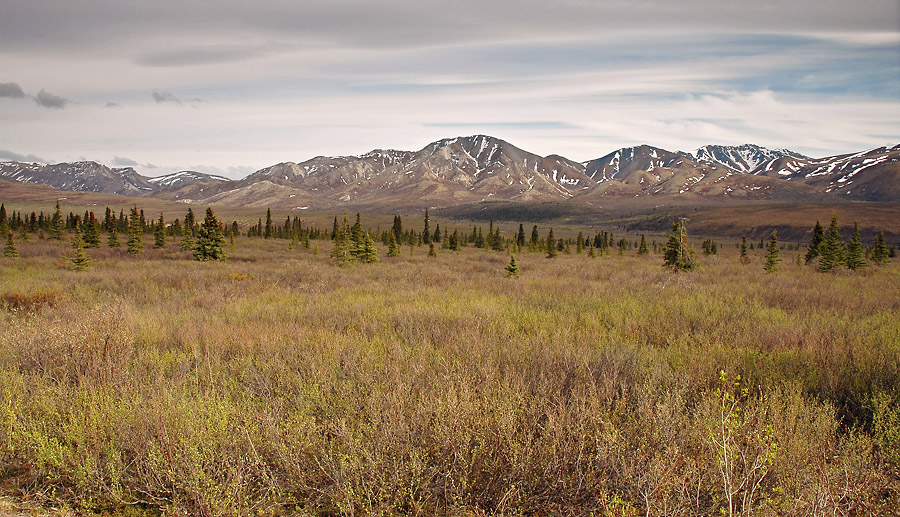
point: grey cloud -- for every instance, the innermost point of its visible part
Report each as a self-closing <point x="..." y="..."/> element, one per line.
<point x="398" y="23"/>
<point x="48" y="100"/>
<point x="163" y="97"/>
<point x="112" y="105"/>
<point x="11" y="90"/>
<point x="196" y="56"/>
<point x="16" y="157"/>
<point x="124" y="162"/>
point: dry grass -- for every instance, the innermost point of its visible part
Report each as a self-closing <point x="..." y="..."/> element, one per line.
<point x="277" y="383"/>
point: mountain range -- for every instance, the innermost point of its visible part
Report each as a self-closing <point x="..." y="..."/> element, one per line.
<point x="482" y="168"/>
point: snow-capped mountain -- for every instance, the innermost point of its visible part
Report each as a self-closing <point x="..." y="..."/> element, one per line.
<point x="182" y="178"/>
<point x="747" y="158"/>
<point x="79" y="176"/>
<point x="483" y="168"/>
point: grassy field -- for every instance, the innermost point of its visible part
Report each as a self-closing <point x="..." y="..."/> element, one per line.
<point x="276" y="383"/>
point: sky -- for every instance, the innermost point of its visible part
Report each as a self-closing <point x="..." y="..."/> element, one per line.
<point x="229" y="87"/>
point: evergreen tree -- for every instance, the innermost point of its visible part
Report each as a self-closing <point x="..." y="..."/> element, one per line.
<point x="831" y="249"/>
<point x="744" y="257"/>
<point x="210" y="239"/>
<point x="642" y="249"/>
<point x="535" y="238"/>
<point x="772" y="259"/>
<point x="159" y="234"/>
<point x="431" y="252"/>
<point x="437" y="233"/>
<point x="880" y="252"/>
<point x="591" y="252"/>
<point x="855" y="259"/>
<point x="512" y="269"/>
<point x="367" y="253"/>
<point x="269" y="232"/>
<point x="453" y="241"/>
<point x="520" y="237"/>
<point x="91" y="234"/>
<point x="340" y="252"/>
<point x="334" y="229"/>
<point x="393" y="246"/>
<point x="426" y="233"/>
<point x="135" y="233"/>
<point x="579" y="246"/>
<point x="551" y="245"/>
<point x="80" y="261"/>
<point x="9" y="249"/>
<point x="678" y="256"/>
<point x="57" y="224"/>
<point x="190" y="223"/>
<point x="187" y="241"/>
<point x="112" y="239"/>
<point x="812" y="250"/>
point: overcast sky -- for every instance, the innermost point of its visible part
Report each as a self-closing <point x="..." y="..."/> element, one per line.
<point x="232" y="86"/>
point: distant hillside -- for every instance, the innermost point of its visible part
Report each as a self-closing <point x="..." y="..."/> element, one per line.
<point x="478" y="168"/>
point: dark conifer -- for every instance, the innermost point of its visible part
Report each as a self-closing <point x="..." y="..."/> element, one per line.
<point x="880" y="252"/>
<point x="520" y="237"/>
<point x="855" y="259"/>
<point x="159" y="234"/>
<point x="91" y="234"/>
<point x="744" y="257"/>
<point x="57" y="224"/>
<point x="812" y="250"/>
<point x="551" y="245"/>
<point x="426" y="233"/>
<point x="831" y="249"/>
<point x="678" y="256"/>
<point x="772" y="258"/>
<point x="135" y="233"/>
<point x="642" y="248"/>
<point x="210" y="239"/>
<point x="79" y="259"/>
<point x="112" y="239"/>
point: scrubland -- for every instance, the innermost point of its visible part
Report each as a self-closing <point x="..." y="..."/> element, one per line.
<point x="276" y="383"/>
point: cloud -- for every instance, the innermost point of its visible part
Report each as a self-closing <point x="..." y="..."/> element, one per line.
<point x="48" y="100"/>
<point x="16" y="157"/>
<point x="164" y="97"/>
<point x="112" y="105"/>
<point x="11" y="90"/>
<point x="124" y="162"/>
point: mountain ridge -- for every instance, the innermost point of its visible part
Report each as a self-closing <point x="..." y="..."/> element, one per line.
<point x="481" y="167"/>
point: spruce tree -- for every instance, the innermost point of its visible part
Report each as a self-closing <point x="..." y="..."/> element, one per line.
<point x="431" y="252"/>
<point x="187" y="241"/>
<point x="269" y="230"/>
<point x="512" y="269"/>
<point x="135" y="233"/>
<point x="393" y="246"/>
<point x="880" y="252"/>
<point x="210" y="239"/>
<point x="57" y="224"/>
<point x="9" y="249"/>
<point x="744" y="257"/>
<point x="772" y="259"/>
<point x="189" y="222"/>
<point x="520" y="237"/>
<point x="91" y="234"/>
<point x="535" y="238"/>
<point x="80" y="261"/>
<point x="551" y="245"/>
<point x="831" y="249"/>
<point x="159" y="234"/>
<point x="340" y="252"/>
<point x="437" y="233"/>
<point x="678" y="256"/>
<point x="855" y="259"/>
<point x="426" y="233"/>
<point x="812" y="250"/>
<point x="642" y="249"/>
<point x="367" y="254"/>
<point x="112" y="239"/>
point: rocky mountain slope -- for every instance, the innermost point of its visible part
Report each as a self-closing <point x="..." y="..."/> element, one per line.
<point x="484" y="168"/>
